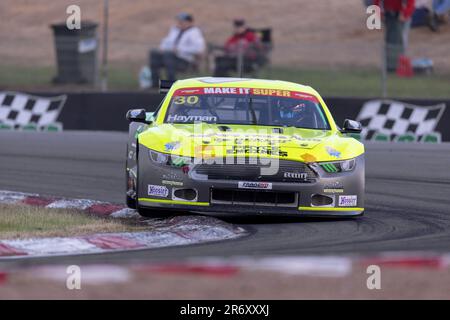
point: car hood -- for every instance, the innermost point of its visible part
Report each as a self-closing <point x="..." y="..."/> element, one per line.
<point x="289" y="143"/>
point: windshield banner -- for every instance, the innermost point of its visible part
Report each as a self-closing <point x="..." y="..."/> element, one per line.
<point x="246" y="91"/>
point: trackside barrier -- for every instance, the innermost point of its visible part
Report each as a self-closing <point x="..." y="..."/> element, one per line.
<point x="397" y="120"/>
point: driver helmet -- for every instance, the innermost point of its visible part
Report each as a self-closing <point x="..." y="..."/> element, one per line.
<point x="293" y="111"/>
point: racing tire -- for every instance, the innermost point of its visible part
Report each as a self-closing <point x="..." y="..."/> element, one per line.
<point x="154" y="213"/>
<point x="130" y="202"/>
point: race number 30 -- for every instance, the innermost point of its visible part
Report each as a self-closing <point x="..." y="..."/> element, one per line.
<point x="186" y="100"/>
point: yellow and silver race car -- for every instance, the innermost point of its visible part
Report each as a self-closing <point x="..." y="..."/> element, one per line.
<point x="243" y="146"/>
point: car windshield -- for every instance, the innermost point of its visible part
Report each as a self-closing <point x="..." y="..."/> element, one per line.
<point x="268" y="107"/>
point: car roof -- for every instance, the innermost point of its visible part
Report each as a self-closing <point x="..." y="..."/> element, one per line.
<point x="242" y="83"/>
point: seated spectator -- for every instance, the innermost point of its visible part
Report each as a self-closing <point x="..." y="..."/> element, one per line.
<point x="178" y="50"/>
<point x="421" y="13"/>
<point x="441" y="9"/>
<point x="243" y="41"/>
<point x="431" y="13"/>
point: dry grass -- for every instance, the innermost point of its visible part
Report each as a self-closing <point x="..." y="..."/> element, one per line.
<point x="325" y="33"/>
<point x="25" y="222"/>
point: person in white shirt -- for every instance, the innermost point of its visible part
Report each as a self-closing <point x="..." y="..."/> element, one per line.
<point x="179" y="49"/>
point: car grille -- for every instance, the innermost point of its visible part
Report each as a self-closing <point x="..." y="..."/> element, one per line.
<point x="288" y="172"/>
<point x="254" y="197"/>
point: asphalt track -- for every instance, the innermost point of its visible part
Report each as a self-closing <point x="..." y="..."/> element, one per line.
<point x="407" y="199"/>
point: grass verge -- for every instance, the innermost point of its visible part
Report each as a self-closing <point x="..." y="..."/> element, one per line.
<point x="329" y="82"/>
<point x="26" y="221"/>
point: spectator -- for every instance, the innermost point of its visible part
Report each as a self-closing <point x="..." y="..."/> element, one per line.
<point x="431" y="13"/>
<point x="441" y="9"/>
<point x="178" y="50"/>
<point x="397" y="15"/>
<point x="423" y="14"/>
<point x="243" y="41"/>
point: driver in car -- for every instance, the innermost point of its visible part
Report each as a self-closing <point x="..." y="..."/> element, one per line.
<point x="297" y="115"/>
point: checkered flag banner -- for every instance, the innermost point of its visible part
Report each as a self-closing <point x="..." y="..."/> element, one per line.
<point x="395" y="118"/>
<point x="19" y="109"/>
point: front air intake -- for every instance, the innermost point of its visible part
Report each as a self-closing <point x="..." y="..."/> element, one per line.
<point x="254" y="197"/>
<point x="320" y="200"/>
<point x="185" y="194"/>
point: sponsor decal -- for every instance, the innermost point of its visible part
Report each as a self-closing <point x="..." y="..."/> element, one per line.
<point x="185" y="169"/>
<point x="171" y="146"/>
<point x="296" y="175"/>
<point x="180" y="162"/>
<point x="226" y="91"/>
<point x="329" y="167"/>
<point x="348" y="201"/>
<point x="333" y="190"/>
<point x="333" y="152"/>
<point x="158" y="191"/>
<point x="299" y="138"/>
<point x="307" y="157"/>
<point x="20" y="111"/>
<point x="173" y="183"/>
<point x="204" y="152"/>
<point x="246" y="91"/>
<point x="255" y="185"/>
<point x="335" y="187"/>
<point x="389" y="120"/>
<point x="181" y="92"/>
<point x="264" y="150"/>
<point x="189" y="119"/>
<point x="172" y="176"/>
<point x="251" y="138"/>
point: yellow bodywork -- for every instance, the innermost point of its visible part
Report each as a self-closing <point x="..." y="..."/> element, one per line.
<point x="207" y="140"/>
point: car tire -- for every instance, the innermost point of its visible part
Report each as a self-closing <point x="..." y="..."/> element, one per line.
<point x="154" y="213"/>
<point x="131" y="203"/>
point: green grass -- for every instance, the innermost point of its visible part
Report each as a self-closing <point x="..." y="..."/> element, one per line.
<point x="339" y="82"/>
<point x="40" y="78"/>
<point x="27" y="221"/>
<point x="363" y="83"/>
<point x="18" y="76"/>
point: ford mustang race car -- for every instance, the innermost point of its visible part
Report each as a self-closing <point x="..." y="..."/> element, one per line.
<point x="243" y="146"/>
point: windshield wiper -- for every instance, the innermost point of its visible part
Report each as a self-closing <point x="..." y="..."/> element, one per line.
<point x="252" y="111"/>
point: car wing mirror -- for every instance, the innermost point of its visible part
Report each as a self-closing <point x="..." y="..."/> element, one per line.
<point x="351" y="126"/>
<point x="139" y="115"/>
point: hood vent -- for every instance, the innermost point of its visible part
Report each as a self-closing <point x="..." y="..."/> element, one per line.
<point x="277" y="130"/>
<point x="224" y="128"/>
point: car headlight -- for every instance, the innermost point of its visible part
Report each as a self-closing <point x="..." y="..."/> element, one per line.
<point x="170" y="160"/>
<point x="158" y="157"/>
<point x="338" y="166"/>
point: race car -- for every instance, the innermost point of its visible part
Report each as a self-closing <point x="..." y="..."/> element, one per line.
<point x="243" y="146"/>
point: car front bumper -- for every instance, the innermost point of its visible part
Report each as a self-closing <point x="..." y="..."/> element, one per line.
<point x="166" y="180"/>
